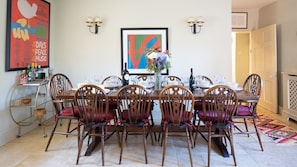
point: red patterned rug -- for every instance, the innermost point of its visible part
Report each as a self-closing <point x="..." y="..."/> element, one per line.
<point x="278" y="131"/>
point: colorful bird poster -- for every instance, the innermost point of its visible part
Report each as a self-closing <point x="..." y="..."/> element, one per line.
<point x="27" y="34"/>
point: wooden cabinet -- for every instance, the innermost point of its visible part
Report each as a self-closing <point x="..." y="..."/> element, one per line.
<point x="28" y="103"/>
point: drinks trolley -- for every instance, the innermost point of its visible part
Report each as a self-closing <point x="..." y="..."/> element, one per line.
<point x="28" y="103"/>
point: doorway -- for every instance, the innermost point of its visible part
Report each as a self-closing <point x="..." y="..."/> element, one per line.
<point x="241" y="51"/>
<point x="256" y="52"/>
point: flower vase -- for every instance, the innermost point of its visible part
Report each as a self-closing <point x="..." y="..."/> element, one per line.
<point x="158" y="85"/>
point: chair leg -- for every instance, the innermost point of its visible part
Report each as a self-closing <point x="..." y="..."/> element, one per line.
<point x="144" y="132"/>
<point x="189" y="149"/>
<point x="164" y="144"/>
<point x="194" y="117"/>
<point x="153" y="124"/>
<point x="191" y="137"/>
<point x="118" y="135"/>
<point x="151" y="134"/>
<point x="209" y="145"/>
<point x="152" y="119"/>
<point x="80" y="143"/>
<point x="246" y="127"/>
<point x="230" y="136"/>
<point x="160" y="137"/>
<point x="196" y="133"/>
<point x="68" y="127"/>
<point x="122" y="142"/>
<point x="102" y="144"/>
<point x="258" y="134"/>
<point x="52" y="134"/>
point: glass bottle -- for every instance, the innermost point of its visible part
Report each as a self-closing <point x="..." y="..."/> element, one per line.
<point x="29" y="73"/>
<point x="125" y="76"/>
<point x="191" y="81"/>
<point x="36" y="71"/>
<point x="33" y="71"/>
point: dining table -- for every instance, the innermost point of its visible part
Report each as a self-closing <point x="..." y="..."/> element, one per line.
<point x="198" y="93"/>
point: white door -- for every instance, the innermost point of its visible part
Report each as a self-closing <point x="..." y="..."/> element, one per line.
<point x="263" y="61"/>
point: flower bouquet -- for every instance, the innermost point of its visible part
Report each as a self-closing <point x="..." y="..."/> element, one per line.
<point x="156" y="62"/>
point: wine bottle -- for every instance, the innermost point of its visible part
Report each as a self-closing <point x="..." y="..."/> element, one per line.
<point x="36" y="71"/>
<point x="191" y="81"/>
<point x="29" y="73"/>
<point x="125" y="76"/>
<point x="33" y="71"/>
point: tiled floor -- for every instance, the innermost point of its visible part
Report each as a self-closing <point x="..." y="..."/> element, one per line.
<point x="28" y="151"/>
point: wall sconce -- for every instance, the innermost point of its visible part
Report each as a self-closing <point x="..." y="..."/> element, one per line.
<point x="94" y="22"/>
<point x="194" y="24"/>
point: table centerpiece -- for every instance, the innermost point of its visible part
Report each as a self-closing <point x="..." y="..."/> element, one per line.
<point x="157" y="61"/>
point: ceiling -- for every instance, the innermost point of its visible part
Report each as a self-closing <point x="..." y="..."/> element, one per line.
<point x="246" y="4"/>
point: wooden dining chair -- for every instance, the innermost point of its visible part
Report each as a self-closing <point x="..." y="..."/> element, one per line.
<point x="218" y="107"/>
<point x="198" y="103"/>
<point x="207" y="79"/>
<point x="177" y="105"/>
<point x="111" y="78"/>
<point x="64" y="109"/>
<point x="145" y="78"/>
<point x="106" y="81"/>
<point x="138" y="79"/>
<point x="171" y="79"/>
<point x="95" y="117"/>
<point x="134" y="107"/>
<point x="248" y="109"/>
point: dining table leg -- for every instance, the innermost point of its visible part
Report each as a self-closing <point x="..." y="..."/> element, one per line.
<point x="221" y="146"/>
<point x="96" y="140"/>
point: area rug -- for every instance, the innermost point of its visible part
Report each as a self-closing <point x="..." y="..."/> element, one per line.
<point x="279" y="132"/>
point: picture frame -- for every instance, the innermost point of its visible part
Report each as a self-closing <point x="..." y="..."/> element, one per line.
<point x="135" y="42"/>
<point x="27" y="34"/>
<point x="239" y="20"/>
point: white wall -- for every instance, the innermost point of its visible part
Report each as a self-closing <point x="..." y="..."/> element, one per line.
<point x="6" y="82"/>
<point x="79" y="54"/>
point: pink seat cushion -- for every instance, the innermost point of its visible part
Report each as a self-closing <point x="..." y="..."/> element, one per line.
<point x="67" y="112"/>
<point x="244" y="111"/>
<point x="113" y="104"/>
<point x="212" y="116"/>
<point x="198" y="105"/>
<point x="139" y="118"/>
<point x="186" y="117"/>
<point x="101" y="117"/>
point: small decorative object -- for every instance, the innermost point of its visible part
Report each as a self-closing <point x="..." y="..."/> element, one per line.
<point x="156" y="62"/>
<point x="26" y="101"/>
<point x="23" y="78"/>
<point x="39" y="113"/>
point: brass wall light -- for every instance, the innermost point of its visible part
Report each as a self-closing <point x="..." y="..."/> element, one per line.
<point x="195" y="24"/>
<point x="94" y="23"/>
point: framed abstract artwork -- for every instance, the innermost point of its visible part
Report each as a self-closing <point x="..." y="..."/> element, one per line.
<point x="135" y="43"/>
<point x="27" y="34"/>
